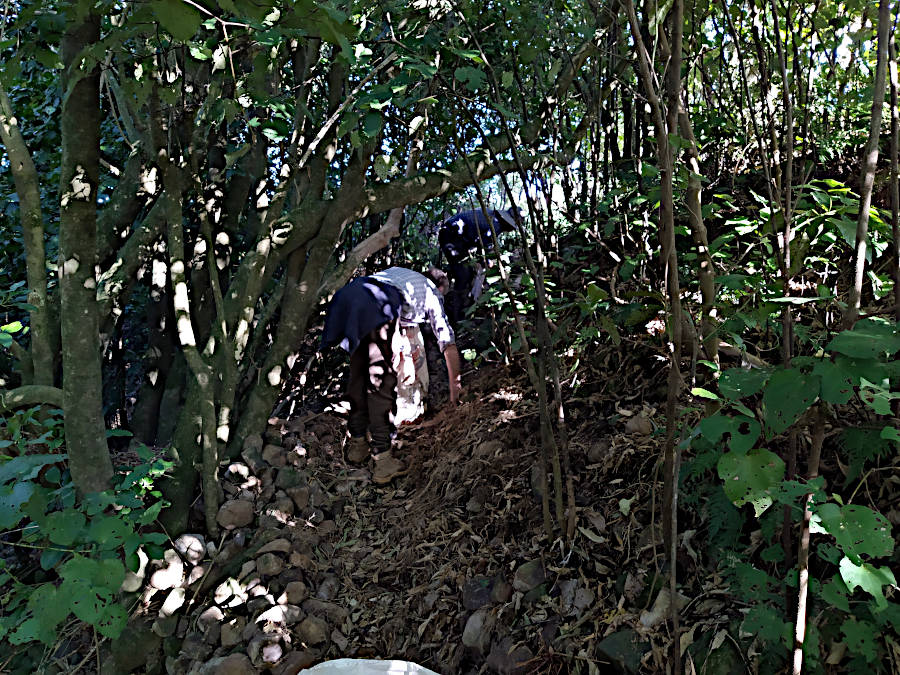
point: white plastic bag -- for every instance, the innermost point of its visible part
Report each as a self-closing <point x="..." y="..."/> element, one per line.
<point x="367" y="667"/>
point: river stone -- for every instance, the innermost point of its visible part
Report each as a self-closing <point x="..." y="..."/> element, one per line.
<point x="477" y="633"/>
<point x="507" y="658"/>
<point x="299" y="495"/>
<point x="233" y="664"/>
<point x="235" y="513"/>
<point x="286" y="614"/>
<point x="231" y="632"/>
<point x="296" y="592"/>
<point x="622" y="649"/>
<point x="274" y="455"/>
<point x="277" y="546"/>
<point x="334" y="612"/>
<point x="192" y="547"/>
<point x="529" y="575"/>
<point x="296" y="661"/>
<point x="313" y="630"/>
<point x="210" y="615"/>
<point x="269" y="564"/>
<point x="173" y="602"/>
<point x="476" y="592"/>
<point x="169" y="576"/>
<point x="288" y="478"/>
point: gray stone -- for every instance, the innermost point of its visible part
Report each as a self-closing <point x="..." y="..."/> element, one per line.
<point x="296" y="592"/>
<point x="529" y="576"/>
<point x="210" y="615"/>
<point x="169" y="576"/>
<point x="272" y="653"/>
<point x="231" y="632"/>
<point x="235" y="513"/>
<point x="502" y="590"/>
<point x="288" y="478"/>
<point x="296" y="661"/>
<point x="174" y="601"/>
<point x="165" y="626"/>
<point x="476" y="592"/>
<point x="477" y="633"/>
<point x="195" y="648"/>
<point x="333" y="612"/>
<point x="280" y="545"/>
<point x="269" y="564"/>
<point x="328" y="588"/>
<point x="274" y="455"/>
<point x="299" y="495"/>
<point x="192" y="547"/>
<point x="286" y="614"/>
<point x="598" y="451"/>
<point x="313" y="630"/>
<point x="340" y="640"/>
<point x="506" y="658"/>
<point x="623" y="650"/>
<point x="233" y="664"/>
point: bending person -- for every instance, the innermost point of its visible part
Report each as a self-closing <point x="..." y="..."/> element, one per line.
<point x="369" y="318"/>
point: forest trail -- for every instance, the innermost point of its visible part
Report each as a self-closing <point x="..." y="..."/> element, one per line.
<point x="447" y="566"/>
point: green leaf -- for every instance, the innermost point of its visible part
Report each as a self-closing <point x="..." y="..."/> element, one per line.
<point x="835" y="594"/>
<point x="179" y="19"/>
<point x="26" y="467"/>
<point x="5" y="339"/>
<point x="113" y="621"/>
<point x="13" y="327"/>
<point x="876" y="397"/>
<point x="473" y="78"/>
<point x="857" y="529"/>
<point x="766" y="623"/>
<point x="859" y="636"/>
<point x="787" y="396"/>
<point x="371" y="124"/>
<point x="736" y="383"/>
<point x="890" y="434"/>
<point x="870" y="338"/>
<point x="12" y="497"/>
<point x="704" y="393"/>
<point x="869" y="578"/>
<point x="63" y="527"/>
<point x="750" y="478"/>
<point x="108" y="531"/>
<point x="837" y="380"/>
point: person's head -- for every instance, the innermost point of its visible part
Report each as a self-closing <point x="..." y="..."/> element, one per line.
<point x="439" y="278"/>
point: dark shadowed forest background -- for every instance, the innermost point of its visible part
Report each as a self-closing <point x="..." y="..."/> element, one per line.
<point x="676" y="449"/>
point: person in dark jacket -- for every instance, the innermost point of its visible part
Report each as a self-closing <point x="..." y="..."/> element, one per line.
<point x="368" y="318"/>
<point x="460" y="238"/>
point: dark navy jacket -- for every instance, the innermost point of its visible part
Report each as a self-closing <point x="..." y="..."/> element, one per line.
<point x="358" y="308"/>
<point x="458" y="235"/>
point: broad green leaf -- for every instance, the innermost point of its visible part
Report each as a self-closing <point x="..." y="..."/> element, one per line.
<point x="63" y="527"/>
<point x="736" y="383"/>
<point x="178" y="18"/>
<point x="113" y="621"/>
<point x="108" y="531"/>
<point x="876" y="397"/>
<point x="837" y="380"/>
<point x="371" y="124"/>
<point x="869" y="578"/>
<point x="860" y="637"/>
<point x="787" y="395"/>
<point x="858" y="530"/>
<point x="890" y="434"/>
<point x="12" y="497"/>
<point x="869" y="339"/>
<point x="750" y="478"/>
<point x="473" y="78"/>
<point x="768" y="624"/>
<point x="704" y="393"/>
<point x="13" y="327"/>
<point x="26" y="467"/>
<point x="835" y="594"/>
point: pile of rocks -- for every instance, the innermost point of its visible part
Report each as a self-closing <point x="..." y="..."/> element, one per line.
<point x="260" y="601"/>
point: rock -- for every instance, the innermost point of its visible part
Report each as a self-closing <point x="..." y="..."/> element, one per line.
<point x="134" y="580"/>
<point x="174" y="601"/>
<point x="502" y="590"/>
<point x="289" y="478"/>
<point x="210" y="615"/>
<point x="333" y="612"/>
<point x="296" y="592"/>
<point x="326" y="527"/>
<point x="622" y="650"/>
<point x="476" y="592"/>
<point x="529" y="575"/>
<point x="584" y="598"/>
<point x="477" y="633"/>
<point x="340" y="640"/>
<point x="260" y="603"/>
<point x="274" y="455"/>
<point x="660" y="610"/>
<point x="639" y="424"/>
<point x="247" y="568"/>
<point x="233" y="664"/>
<point x="313" y="630"/>
<point x="296" y="661"/>
<point x="131" y="649"/>
<point x="303" y="561"/>
<point x="598" y="451"/>
<point x="235" y="513"/>
<point x="299" y="495"/>
<point x="213" y="633"/>
<point x="251" y="453"/>
<point x="231" y="632"/>
<point x="286" y="614"/>
<point x="165" y="626"/>
<point x="280" y="545"/>
<point x="230" y="593"/>
<point x="195" y="648"/>
<point x="196" y="574"/>
<point x="169" y="576"/>
<point x="535" y="594"/>
<point x="328" y="588"/>
<point x="269" y="564"/>
<point x="272" y="653"/>
<point x="238" y="472"/>
<point x="507" y="658"/>
<point x="567" y="590"/>
<point x="192" y="547"/>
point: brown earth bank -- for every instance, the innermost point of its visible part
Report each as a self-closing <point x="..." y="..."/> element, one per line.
<point x="448" y="566"/>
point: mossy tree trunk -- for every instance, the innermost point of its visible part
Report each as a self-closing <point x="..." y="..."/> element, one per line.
<point x="89" y="459"/>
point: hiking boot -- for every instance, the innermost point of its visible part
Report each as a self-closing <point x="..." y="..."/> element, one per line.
<point x="387" y="468"/>
<point x="358" y="450"/>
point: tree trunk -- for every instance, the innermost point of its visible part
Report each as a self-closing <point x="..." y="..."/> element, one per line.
<point x="870" y="159"/>
<point x="79" y="172"/>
